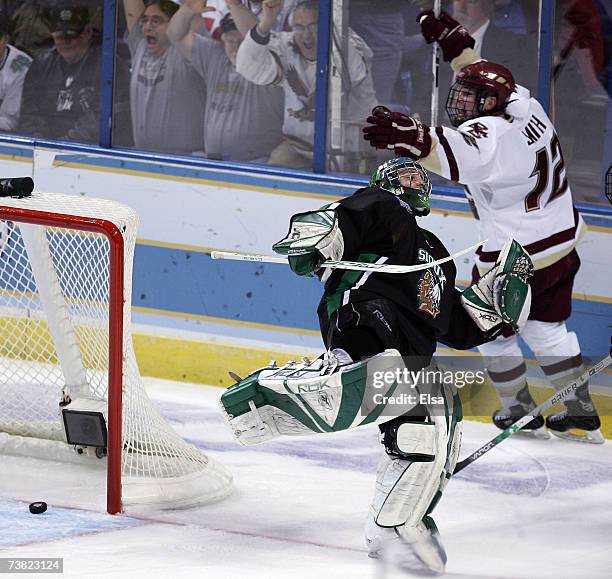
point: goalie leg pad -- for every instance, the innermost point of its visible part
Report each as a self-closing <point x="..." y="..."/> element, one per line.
<point x="421" y="453"/>
<point x="420" y="458"/>
<point x="311" y="397"/>
<point x="410" y="476"/>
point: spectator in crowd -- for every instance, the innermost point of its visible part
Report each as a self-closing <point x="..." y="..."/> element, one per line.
<point x="167" y="97"/>
<point x="242" y="121"/>
<point x="581" y="92"/>
<point x="61" y="91"/>
<point x="517" y="52"/>
<point x="381" y="25"/>
<point x="514" y="51"/>
<point x="28" y="27"/>
<point x="14" y="65"/>
<point x="509" y="14"/>
<point x="212" y="19"/>
<point x="288" y="59"/>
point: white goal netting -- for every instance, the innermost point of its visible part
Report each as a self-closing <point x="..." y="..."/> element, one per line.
<point x="54" y="340"/>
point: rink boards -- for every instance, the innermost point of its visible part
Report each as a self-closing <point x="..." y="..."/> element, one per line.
<point x="196" y="318"/>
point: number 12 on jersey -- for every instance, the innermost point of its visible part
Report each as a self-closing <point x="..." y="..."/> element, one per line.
<point x="542" y="171"/>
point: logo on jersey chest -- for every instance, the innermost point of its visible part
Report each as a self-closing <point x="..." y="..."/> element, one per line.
<point x="430" y="286"/>
<point x="478" y="130"/>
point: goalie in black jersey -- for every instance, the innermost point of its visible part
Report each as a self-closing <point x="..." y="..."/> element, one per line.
<point x="373" y="322"/>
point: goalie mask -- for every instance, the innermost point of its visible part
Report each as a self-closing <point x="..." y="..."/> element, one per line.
<point x="480" y="89"/>
<point x="406" y="179"/>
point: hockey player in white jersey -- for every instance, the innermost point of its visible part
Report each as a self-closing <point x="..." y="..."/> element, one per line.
<point x="506" y="152"/>
<point x="375" y="322"/>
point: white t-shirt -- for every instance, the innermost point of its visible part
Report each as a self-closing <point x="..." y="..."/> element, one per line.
<point x="167" y="99"/>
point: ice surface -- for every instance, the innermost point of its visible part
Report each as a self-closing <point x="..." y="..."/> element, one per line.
<point x="529" y="508"/>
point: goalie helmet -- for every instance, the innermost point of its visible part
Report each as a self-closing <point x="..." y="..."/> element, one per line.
<point x="474" y="83"/>
<point x="408" y="180"/>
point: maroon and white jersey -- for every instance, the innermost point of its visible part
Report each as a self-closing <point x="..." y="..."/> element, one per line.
<point x="514" y="171"/>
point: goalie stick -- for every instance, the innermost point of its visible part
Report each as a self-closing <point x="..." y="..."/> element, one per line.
<point x="557" y="397"/>
<point x="353" y="265"/>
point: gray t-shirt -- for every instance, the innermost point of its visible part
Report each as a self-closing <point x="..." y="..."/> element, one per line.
<point x="167" y="100"/>
<point x="243" y="121"/>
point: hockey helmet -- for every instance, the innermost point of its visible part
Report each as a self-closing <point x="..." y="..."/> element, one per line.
<point x="408" y="180"/>
<point x="473" y="85"/>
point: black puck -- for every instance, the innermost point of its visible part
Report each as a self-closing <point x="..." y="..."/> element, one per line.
<point x="38" y="508"/>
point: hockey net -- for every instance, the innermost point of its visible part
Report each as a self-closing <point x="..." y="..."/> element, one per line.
<point x="65" y="309"/>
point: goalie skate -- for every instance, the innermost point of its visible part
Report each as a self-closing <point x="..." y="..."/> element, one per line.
<point x="416" y="550"/>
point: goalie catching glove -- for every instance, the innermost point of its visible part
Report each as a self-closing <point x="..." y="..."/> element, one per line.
<point x="313" y="238"/>
<point x="502" y="295"/>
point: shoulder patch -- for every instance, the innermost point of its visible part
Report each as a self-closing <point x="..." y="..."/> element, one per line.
<point x="20" y="62"/>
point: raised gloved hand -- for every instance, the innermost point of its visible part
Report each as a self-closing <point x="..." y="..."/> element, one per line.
<point x="583" y="16"/>
<point x="452" y="37"/>
<point x="407" y="136"/>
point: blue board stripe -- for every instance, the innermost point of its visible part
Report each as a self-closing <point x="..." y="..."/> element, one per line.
<point x="191" y="283"/>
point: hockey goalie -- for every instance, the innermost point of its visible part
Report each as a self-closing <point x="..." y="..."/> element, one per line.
<point x="382" y="324"/>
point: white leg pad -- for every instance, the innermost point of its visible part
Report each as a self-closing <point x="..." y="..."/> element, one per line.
<point x="406" y="488"/>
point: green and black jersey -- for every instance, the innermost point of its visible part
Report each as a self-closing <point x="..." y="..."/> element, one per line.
<point x="378" y="227"/>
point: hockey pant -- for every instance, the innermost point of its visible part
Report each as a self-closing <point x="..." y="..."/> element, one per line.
<point x="556" y="349"/>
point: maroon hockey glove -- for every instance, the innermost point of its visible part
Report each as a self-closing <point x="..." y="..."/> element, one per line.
<point x="587" y="24"/>
<point x="447" y="32"/>
<point x="407" y="136"/>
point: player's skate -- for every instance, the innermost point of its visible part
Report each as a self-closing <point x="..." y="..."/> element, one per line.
<point x="506" y="417"/>
<point x="579" y="421"/>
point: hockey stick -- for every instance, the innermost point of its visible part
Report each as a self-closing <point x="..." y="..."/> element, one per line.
<point x="608" y="190"/>
<point x="563" y="56"/>
<point x="560" y="395"/>
<point x="352" y="265"/>
<point x="435" y="71"/>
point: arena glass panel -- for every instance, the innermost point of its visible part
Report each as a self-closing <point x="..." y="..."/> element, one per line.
<point x="186" y="94"/>
<point x="401" y="62"/>
<point x="51" y="70"/>
<point x="581" y="87"/>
